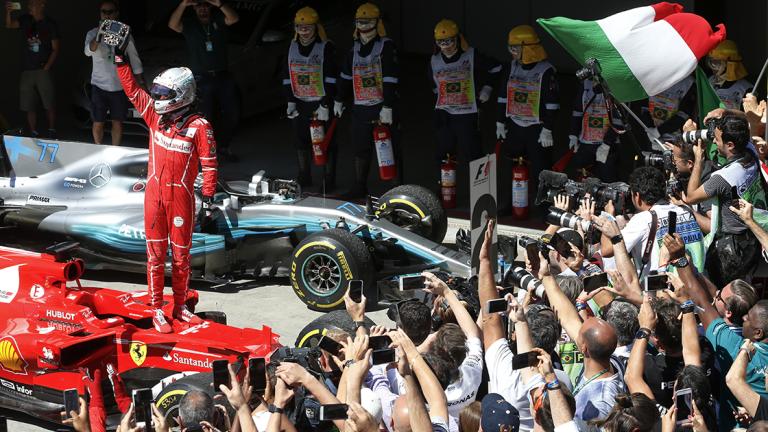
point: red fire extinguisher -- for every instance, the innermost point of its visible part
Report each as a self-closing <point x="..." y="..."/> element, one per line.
<point x="382" y="139"/>
<point x="520" y="190"/>
<point x="448" y="182"/>
<point x="317" y="134"/>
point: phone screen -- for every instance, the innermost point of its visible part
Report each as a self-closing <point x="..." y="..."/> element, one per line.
<point x="524" y="360"/>
<point x="71" y="402"/>
<point x="379" y="342"/>
<point x="356" y="290"/>
<point x="333" y="412"/>
<point x="532" y="252"/>
<point x="257" y="369"/>
<point x="142" y="400"/>
<point x="655" y="283"/>
<point x="595" y="281"/>
<point x="383" y="356"/>
<point x="672" y="222"/>
<point x="496" y="305"/>
<point x="683" y="404"/>
<point x="411" y="282"/>
<point x="330" y="345"/>
<point x="220" y="374"/>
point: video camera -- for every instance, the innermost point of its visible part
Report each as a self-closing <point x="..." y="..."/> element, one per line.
<point x="708" y="134"/>
<point x="308" y="358"/>
<point x="591" y="69"/>
<point x="662" y="161"/>
<point x="552" y="184"/>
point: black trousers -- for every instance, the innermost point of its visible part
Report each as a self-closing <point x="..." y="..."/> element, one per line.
<point x="457" y="134"/>
<point x="521" y="141"/>
<point x="220" y="104"/>
<point x="585" y="157"/>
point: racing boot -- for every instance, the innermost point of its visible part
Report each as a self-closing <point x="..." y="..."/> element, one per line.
<point x="181" y="313"/>
<point x="305" y="168"/>
<point x="160" y="323"/>
<point x="360" y="188"/>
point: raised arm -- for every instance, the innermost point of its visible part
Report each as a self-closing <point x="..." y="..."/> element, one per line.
<point x="561" y="411"/>
<point x="736" y="379"/>
<point x="486" y="287"/>
<point x="430" y="386"/>
<point x="294" y="374"/>
<point x="633" y="376"/>
<point x="230" y="15"/>
<point x="437" y="287"/>
<point x="565" y="310"/>
<point x="174" y="23"/>
<point x="744" y="212"/>
<point x="624" y="264"/>
<point x="690" y="334"/>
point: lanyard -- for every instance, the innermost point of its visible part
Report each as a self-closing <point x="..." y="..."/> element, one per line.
<point x="581" y="386"/>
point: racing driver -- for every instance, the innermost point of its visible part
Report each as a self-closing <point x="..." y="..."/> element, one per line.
<point x="179" y="139"/>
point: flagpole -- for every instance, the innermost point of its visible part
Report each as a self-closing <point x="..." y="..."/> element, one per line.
<point x="759" y="77"/>
<point x="655" y="142"/>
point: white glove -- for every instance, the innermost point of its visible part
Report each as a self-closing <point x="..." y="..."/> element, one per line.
<point x="485" y="94"/>
<point x="573" y="143"/>
<point x="501" y="130"/>
<point x="338" y="108"/>
<point x="385" y="116"/>
<point x="545" y="138"/>
<point x="322" y="113"/>
<point x="291" y="111"/>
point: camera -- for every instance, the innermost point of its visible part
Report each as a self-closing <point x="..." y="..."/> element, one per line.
<point x="708" y="134"/>
<point x="308" y="358"/>
<point x="552" y="184"/>
<point x="558" y="217"/>
<point x="662" y="161"/>
<point x="520" y="277"/>
<point x="675" y="187"/>
<point x="591" y="69"/>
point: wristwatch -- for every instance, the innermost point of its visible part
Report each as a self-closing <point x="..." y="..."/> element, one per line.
<point x="359" y="324"/>
<point x="347" y="364"/>
<point x="643" y="333"/>
<point x="680" y="262"/>
<point x="274" y="409"/>
<point x="618" y="238"/>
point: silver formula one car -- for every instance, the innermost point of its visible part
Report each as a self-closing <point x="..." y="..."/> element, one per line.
<point x="264" y="227"/>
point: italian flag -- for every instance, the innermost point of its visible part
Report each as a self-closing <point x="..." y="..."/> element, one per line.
<point x="641" y="51"/>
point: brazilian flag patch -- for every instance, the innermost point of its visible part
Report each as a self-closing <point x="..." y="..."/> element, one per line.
<point x="453" y="87"/>
<point x="303" y="79"/>
<point x="369" y="82"/>
<point x="596" y="122"/>
<point x="521" y="97"/>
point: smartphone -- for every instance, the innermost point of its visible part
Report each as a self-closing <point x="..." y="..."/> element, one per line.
<point x="561" y="245"/>
<point x="495" y="306"/>
<point x="330" y="345"/>
<point x="379" y="342"/>
<point x="594" y="282"/>
<point x="333" y="412"/>
<point x="524" y="360"/>
<point x="257" y="371"/>
<point x="356" y="290"/>
<point x="734" y="197"/>
<point x="142" y="403"/>
<point x="411" y="282"/>
<point x="683" y="398"/>
<point x="220" y="374"/>
<point x="655" y="282"/>
<point x="532" y="252"/>
<point x="672" y="223"/>
<point x="15" y="5"/>
<point x="71" y="402"/>
<point x="383" y="356"/>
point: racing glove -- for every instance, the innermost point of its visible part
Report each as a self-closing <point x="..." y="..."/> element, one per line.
<point x="501" y="130"/>
<point x="485" y="94"/>
<point x="338" y="108"/>
<point x="545" y="138"/>
<point x="385" y="115"/>
<point x="573" y="143"/>
<point x="322" y="113"/>
<point x="291" y="111"/>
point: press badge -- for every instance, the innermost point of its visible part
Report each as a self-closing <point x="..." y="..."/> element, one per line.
<point x="208" y="46"/>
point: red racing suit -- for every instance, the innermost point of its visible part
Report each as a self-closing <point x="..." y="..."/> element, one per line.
<point x="175" y="150"/>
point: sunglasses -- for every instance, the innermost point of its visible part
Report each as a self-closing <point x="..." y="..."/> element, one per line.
<point x="444" y="42"/>
<point x="108" y="11"/>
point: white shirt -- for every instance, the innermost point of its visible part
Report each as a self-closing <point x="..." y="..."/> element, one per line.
<point x="104" y="74"/>
<point x="509" y="383"/>
<point x="463" y="391"/>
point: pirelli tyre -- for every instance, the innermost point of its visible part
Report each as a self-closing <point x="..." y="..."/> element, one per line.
<point x="324" y="263"/>
<point x="310" y="335"/>
<point x="168" y="399"/>
<point x="416" y="209"/>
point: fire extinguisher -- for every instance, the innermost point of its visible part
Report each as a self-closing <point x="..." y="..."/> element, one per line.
<point x="382" y="139"/>
<point x="520" y="190"/>
<point x="317" y="134"/>
<point x="448" y="182"/>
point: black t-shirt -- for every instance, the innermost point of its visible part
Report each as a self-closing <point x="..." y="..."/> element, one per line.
<point x="660" y="372"/>
<point x="38" y="37"/>
<point x="206" y="43"/>
<point x="762" y="409"/>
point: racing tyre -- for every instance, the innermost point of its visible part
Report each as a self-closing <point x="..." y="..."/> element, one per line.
<point x="324" y="263"/>
<point x="415" y="203"/>
<point x="168" y="399"/>
<point x="310" y="335"/>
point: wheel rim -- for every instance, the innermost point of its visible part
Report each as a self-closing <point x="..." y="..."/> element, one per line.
<point x="321" y="274"/>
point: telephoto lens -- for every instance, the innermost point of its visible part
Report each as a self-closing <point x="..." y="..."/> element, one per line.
<point x="562" y="218"/>
<point x="525" y="280"/>
<point x="692" y="137"/>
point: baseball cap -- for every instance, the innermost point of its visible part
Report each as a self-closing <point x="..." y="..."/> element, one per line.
<point x="498" y="414"/>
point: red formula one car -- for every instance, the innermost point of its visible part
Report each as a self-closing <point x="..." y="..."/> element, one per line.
<point x="53" y="331"/>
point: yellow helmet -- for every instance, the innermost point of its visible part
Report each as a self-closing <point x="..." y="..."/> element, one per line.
<point x="526" y="36"/>
<point x="370" y="11"/>
<point x="306" y="15"/>
<point x="728" y="51"/>
<point x="367" y="10"/>
<point x="446" y="29"/>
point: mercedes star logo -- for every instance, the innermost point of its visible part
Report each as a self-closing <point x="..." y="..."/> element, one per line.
<point x="100" y="175"/>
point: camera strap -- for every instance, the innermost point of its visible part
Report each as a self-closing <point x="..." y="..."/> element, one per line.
<point x="651" y="238"/>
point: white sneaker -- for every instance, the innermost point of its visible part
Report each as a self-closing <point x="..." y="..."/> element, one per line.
<point x="161" y="325"/>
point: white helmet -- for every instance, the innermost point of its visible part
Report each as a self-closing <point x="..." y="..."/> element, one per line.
<point x="173" y="89"/>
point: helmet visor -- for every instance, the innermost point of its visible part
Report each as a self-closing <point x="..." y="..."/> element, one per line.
<point x="161" y="92"/>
